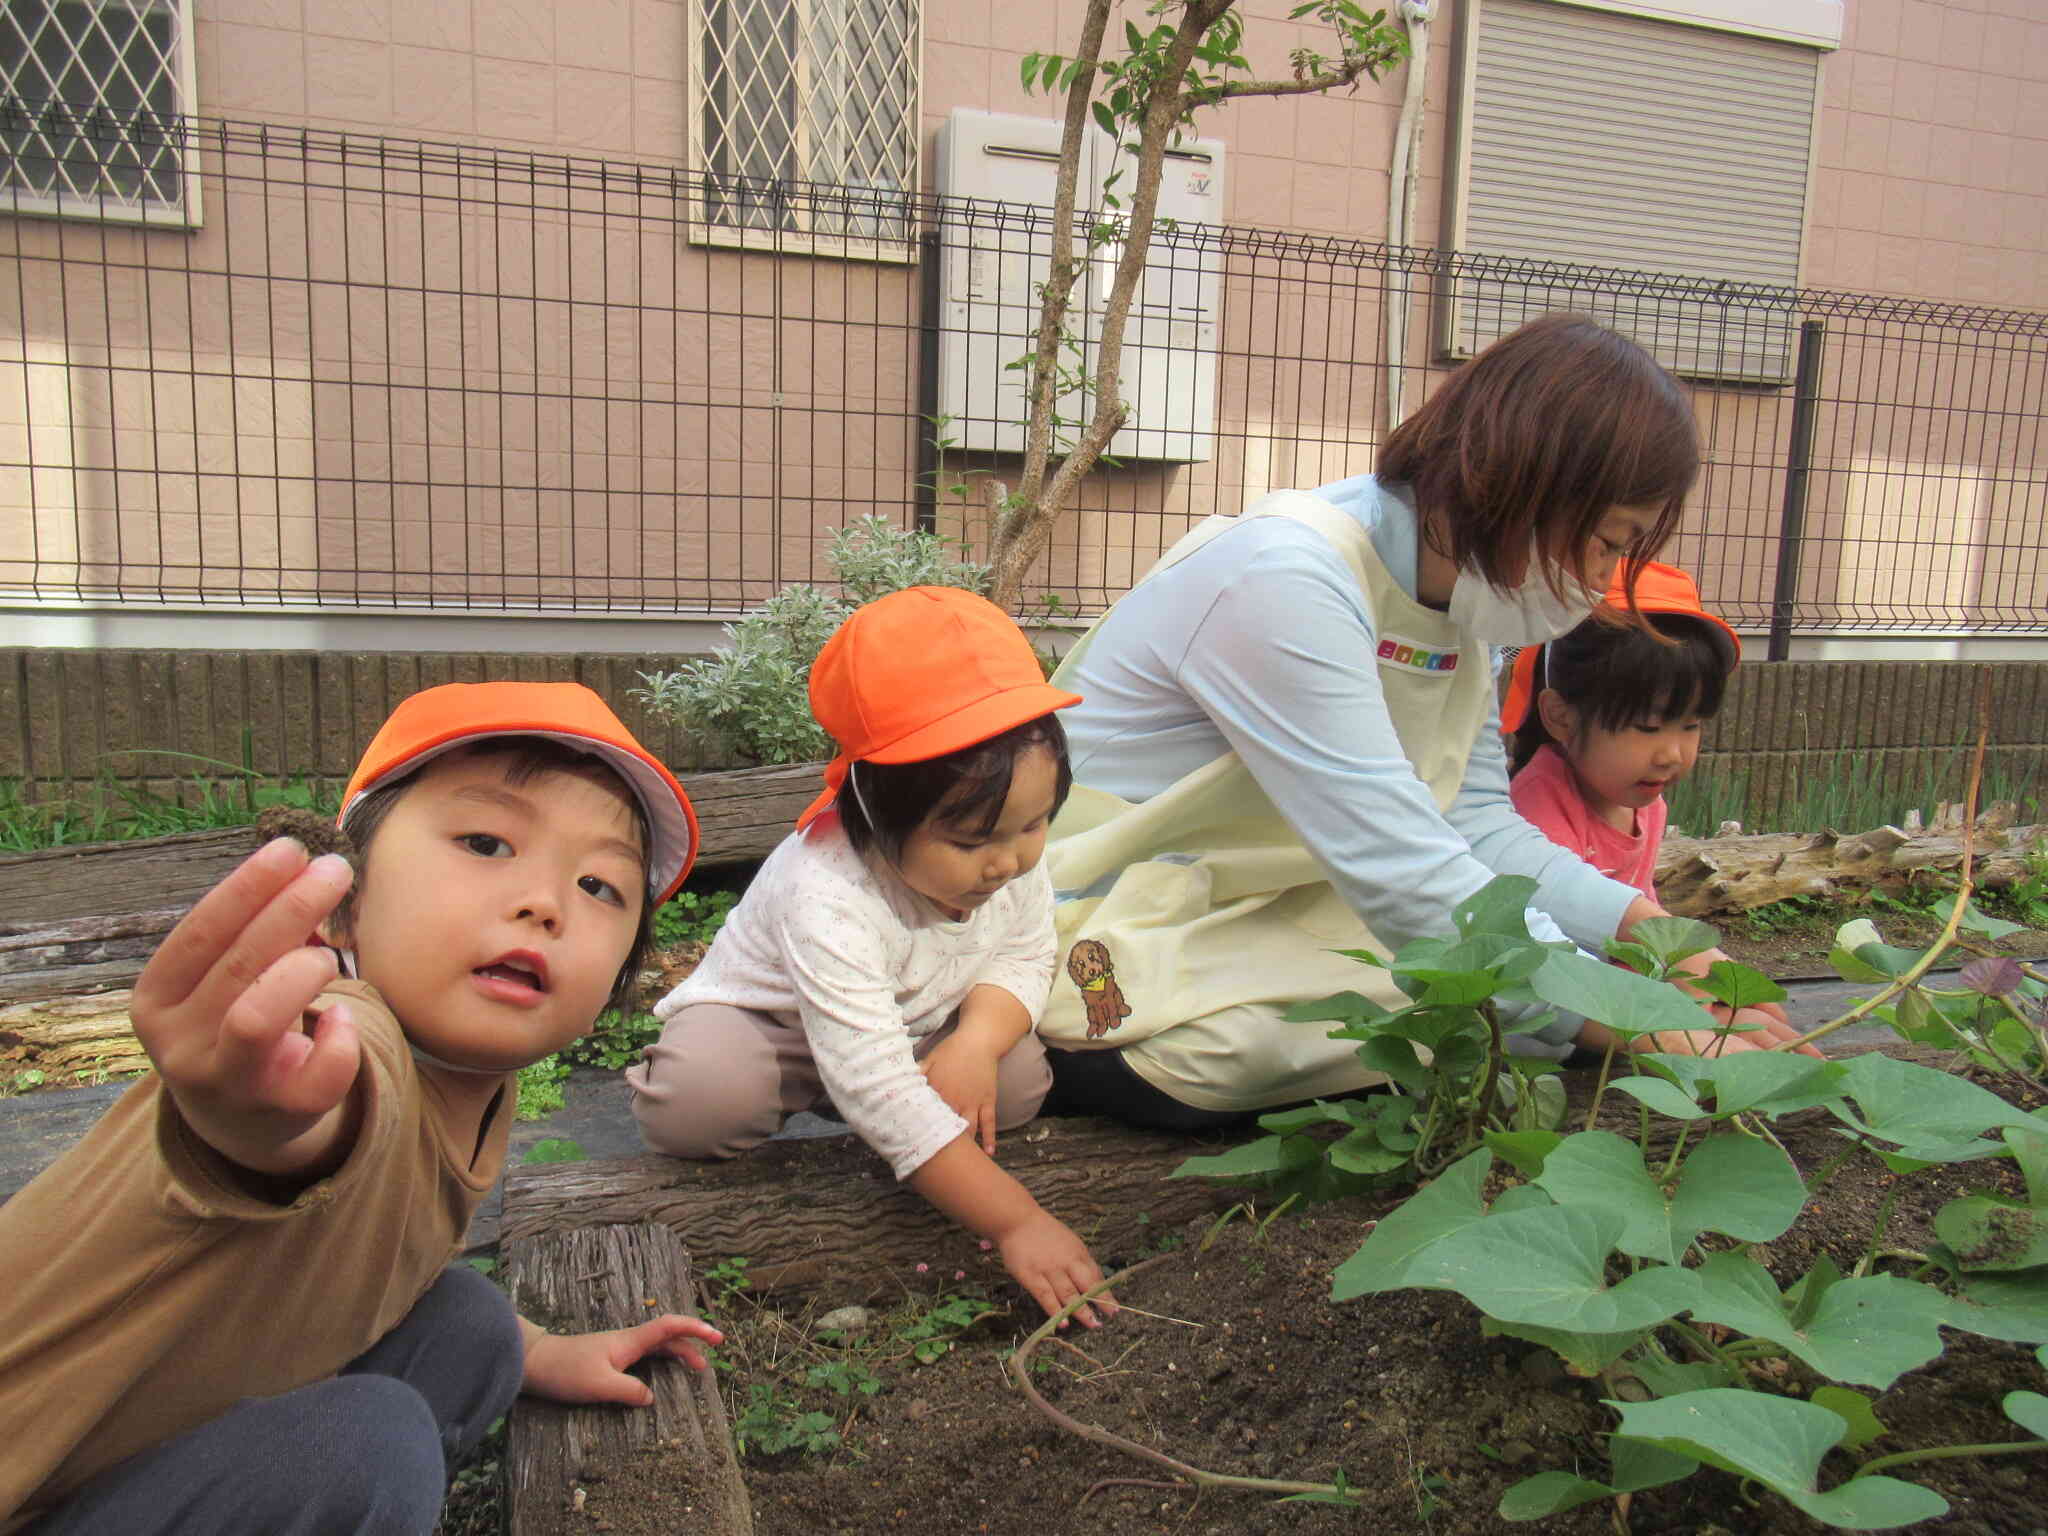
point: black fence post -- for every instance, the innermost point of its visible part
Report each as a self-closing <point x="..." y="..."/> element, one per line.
<point x="927" y="427"/>
<point x="1798" y="463"/>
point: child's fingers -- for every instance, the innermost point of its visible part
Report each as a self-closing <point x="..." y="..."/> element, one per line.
<point x="258" y="1041"/>
<point x="270" y="934"/>
<point x="312" y="1077"/>
<point x="204" y="934"/>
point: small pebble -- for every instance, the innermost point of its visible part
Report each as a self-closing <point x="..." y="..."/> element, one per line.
<point x="845" y="1319"/>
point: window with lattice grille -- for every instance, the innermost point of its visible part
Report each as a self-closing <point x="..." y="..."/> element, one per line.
<point x="92" y="121"/>
<point x="805" y="122"/>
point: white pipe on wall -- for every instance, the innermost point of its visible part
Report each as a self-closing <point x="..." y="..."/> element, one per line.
<point x="1403" y="171"/>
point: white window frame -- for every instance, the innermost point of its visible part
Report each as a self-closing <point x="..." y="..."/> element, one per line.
<point x="706" y="227"/>
<point x="1771" y="366"/>
<point x="105" y="205"/>
<point x="1816" y="23"/>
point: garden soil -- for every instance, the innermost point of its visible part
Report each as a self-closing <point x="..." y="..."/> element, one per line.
<point x="1233" y="1358"/>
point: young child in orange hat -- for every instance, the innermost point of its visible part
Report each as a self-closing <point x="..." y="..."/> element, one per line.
<point x="232" y="1306"/>
<point x="893" y="954"/>
<point x="1607" y="717"/>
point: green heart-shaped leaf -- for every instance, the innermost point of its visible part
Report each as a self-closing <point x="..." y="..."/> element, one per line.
<point x="1984" y="1233"/>
<point x="1626" y="1003"/>
<point x="1779" y="1443"/>
<point x="1442" y="1206"/>
<point x="1856" y="1411"/>
<point x="1869" y="1331"/>
<point x="1497" y="907"/>
<point x="1637" y="1465"/>
<point x="1927" y="1114"/>
<point x="1672" y="939"/>
<point x="1738" y="986"/>
<point x="1548" y="1267"/>
<point x="2029" y="1410"/>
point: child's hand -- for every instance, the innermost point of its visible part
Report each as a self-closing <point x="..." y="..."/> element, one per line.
<point x="219" y="1005"/>
<point x="591" y="1367"/>
<point x="965" y="1077"/>
<point x="1044" y="1256"/>
<point x="1763" y="1027"/>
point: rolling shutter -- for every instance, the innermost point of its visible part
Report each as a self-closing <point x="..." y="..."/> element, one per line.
<point x="1617" y="141"/>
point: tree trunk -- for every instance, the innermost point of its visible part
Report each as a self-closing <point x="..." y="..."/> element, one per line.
<point x="591" y="1280"/>
<point x="1699" y="877"/>
<point x="827" y="1218"/>
<point x="72" y="1036"/>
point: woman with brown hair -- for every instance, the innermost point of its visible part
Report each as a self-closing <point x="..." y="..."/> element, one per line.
<point x="1290" y="741"/>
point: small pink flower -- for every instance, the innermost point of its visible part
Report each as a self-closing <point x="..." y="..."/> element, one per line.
<point x="922" y="1268"/>
<point x="959" y="1274"/>
<point x="986" y="1245"/>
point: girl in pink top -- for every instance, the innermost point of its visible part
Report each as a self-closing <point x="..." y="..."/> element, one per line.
<point x="1616" y="718"/>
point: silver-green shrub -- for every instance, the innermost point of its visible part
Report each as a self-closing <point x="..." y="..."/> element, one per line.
<point x="750" y="700"/>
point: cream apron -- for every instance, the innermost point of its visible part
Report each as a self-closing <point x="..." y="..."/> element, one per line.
<point x="1188" y="922"/>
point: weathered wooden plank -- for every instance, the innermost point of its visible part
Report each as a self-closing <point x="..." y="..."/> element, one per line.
<point x="62" y="1035"/>
<point x="107" y="879"/>
<point x="603" y="1277"/>
<point x="827" y="1217"/>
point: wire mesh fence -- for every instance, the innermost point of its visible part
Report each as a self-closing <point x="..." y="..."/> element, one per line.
<point x="390" y="375"/>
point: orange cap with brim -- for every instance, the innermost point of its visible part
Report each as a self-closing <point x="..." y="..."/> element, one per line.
<point x="1660" y="588"/>
<point x="921" y="673"/>
<point x="438" y="720"/>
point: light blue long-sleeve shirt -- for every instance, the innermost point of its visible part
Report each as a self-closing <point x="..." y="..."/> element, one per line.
<point x="1261" y="643"/>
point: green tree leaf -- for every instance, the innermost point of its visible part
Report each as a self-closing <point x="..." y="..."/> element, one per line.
<point x="1779" y="1443"/>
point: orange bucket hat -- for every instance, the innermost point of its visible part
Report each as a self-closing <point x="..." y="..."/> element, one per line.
<point x="1660" y="588"/>
<point x="921" y="673"/>
<point x="437" y="720"/>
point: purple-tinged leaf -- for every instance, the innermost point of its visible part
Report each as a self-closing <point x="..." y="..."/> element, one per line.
<point x="1994" y="977"/>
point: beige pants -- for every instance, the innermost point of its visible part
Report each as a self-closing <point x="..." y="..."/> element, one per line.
<point x="721" y="1080"/>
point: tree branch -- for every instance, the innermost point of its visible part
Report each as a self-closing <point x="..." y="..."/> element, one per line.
<point x="1059" y="287"/>
<point x="1329" y="80"/>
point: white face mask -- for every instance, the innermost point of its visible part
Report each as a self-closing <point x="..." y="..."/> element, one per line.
<point x="1528" y="614"/>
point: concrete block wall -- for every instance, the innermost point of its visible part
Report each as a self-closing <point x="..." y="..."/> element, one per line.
<point x="73" y="721"/>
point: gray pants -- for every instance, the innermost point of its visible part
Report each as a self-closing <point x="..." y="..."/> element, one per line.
<point x="364" y="1453"/>
<point x="721" y="1080"/>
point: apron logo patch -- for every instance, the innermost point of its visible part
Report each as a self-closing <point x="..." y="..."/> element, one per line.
<point x="1094" y="973"/>
<point x="1396" y="652"/>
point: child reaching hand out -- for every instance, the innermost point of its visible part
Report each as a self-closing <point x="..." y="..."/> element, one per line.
<point x="1607" y="717"/>
<point x="1616" y="718"/>
<point x="893" y="954"/>
<point x="231" y="1307"/>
